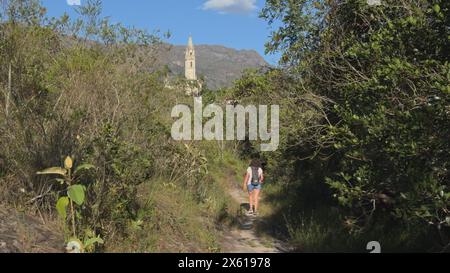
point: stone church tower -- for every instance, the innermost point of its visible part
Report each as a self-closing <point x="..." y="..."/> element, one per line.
<point x="189" y="69"/>
<point x="193" y="86"/>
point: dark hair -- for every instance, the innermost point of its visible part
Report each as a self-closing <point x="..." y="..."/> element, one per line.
<point x="255" y="163"/>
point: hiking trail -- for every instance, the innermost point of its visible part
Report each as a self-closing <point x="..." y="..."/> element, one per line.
<point x="244" y="238"/>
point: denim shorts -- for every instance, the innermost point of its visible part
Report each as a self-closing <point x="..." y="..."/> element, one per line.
<point x="251" y="187"/>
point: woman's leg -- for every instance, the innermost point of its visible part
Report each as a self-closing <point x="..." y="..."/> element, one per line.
<point x="250" y="196"/>
<point x="256" y="198"/>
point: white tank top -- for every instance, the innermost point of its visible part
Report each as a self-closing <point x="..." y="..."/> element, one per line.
<point x="249" y="173"/>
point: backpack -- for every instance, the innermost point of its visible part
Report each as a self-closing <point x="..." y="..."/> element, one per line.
<point x="255" y="176"/>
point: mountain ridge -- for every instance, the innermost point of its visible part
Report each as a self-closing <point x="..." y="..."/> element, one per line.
<point x="218" y="65"/>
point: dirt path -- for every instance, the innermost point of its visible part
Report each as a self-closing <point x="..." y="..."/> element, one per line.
<point x="21" y="233"/>
<point x="244" y="238"/>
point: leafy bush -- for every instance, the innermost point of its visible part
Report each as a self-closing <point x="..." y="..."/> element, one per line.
<point x="365" y="114"/>
<point x="83" y="88"/>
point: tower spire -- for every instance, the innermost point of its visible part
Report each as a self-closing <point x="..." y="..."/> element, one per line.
<point x="190" y="43"/>
<point x="189" y="68"/>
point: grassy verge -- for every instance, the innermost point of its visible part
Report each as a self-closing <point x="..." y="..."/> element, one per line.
<point x="320" y="228"/>
<point x="172" y="218"/>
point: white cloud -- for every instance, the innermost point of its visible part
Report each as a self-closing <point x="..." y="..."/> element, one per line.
<point x="230" y="6"/>
<point x="74" y="2"/>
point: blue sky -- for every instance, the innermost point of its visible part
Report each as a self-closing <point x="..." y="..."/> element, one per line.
<point x="232" y="23"/>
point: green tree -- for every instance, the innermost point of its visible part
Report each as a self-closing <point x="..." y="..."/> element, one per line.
<point x="382" y="76"/>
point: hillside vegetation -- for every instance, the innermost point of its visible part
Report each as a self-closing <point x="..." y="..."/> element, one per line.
<point x="76" y="96"/>
<point x="364" y="96"/>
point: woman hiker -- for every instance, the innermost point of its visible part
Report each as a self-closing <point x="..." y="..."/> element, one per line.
<point x="253" y="180"/>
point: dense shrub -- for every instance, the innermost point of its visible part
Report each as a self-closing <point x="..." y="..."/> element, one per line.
<point x="365" y="121"/>
<point x="83" y="88"/>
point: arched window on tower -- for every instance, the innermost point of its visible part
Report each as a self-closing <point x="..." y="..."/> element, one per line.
<point x="191" y="64"/>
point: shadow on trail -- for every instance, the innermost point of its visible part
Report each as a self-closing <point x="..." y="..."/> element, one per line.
<point x="302" y="213"/>
<point x="242" y="235"/>
<point x="245" y="206"/>
<point x="271" y="226"/>
<point x="259" y="226"/>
